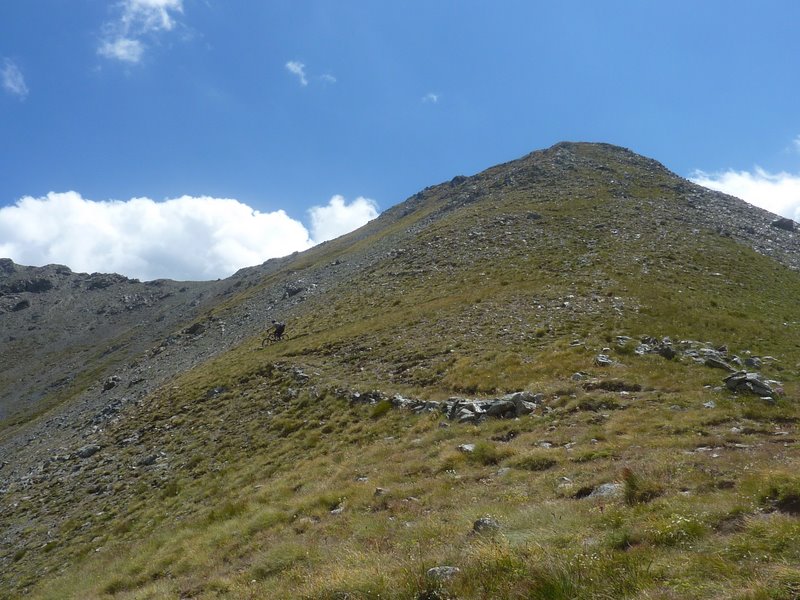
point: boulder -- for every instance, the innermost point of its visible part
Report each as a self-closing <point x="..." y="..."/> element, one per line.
<point x="783" y="223"/>
<point x="666" y="351"/>
<point x="195" y="329"/>
<point x="607" y="490"/>
<point x="750" y="383"/>
<point x="503" y="409"/>
<point x="525" y="402"/>
<point x="716" y="362"/>
<point x="486" y="524"/>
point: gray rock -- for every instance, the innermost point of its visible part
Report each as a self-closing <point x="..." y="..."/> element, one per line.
<point x="503" y="409"/>
<point x="195" y="329"/>
<point x="147" y="460"/>
<point x="524" y="402"/>
<point x="666" y="351"/>
<point x="603" y="360"/>
<point x="783" y="223"/>
<point x="486" y="524"/>
<point x="715" y="362"/>
<point x="607" y="490"/>
<point x="110" y="383"/>
<point x="21" y="305"/>
<point x="87" y="451"/>
<point x="442" y="573"/>
<point x="467" y="448"/>
<point x="752" y="361"/>
<point x="752" y="383"/>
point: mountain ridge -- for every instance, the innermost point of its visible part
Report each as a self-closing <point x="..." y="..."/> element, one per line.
<point x="511" y="280"/>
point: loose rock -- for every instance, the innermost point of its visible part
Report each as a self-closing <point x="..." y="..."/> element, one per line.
<point x="442" y="573"/>
<point x="486" y="524"/>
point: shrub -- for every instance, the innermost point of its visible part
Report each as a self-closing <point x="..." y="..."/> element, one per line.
<point x="489" y="454"/>
<point x="782" y="493"/>
<point x="380" y="409"/>
<point x="637" y="491"/>
<point x="534" y="462"/>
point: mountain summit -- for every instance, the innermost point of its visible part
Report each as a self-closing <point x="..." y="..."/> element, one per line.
<point x="573" y="375"/>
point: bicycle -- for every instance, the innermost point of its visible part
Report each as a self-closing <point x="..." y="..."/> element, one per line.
<point x="270" y="338"/>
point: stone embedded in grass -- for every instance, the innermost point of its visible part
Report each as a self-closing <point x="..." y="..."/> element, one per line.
<point x="510" y="406"/>
<point x="753" y="361"/>
<point x="466" y="448"/>
<point x="442" y="573"/>
<point x="603" y="360"/>
<point x="486" y="524"/>
<point x="607" y="490"/>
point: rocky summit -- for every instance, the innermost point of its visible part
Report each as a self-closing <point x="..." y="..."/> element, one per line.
<point x="573" y="375"/>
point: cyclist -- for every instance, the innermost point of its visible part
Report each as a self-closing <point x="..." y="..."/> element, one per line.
<point x="278" y="328"/>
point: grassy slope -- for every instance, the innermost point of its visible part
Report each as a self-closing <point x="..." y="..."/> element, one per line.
<point x="271" y="485"/>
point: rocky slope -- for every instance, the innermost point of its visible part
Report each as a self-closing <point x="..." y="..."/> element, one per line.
<point x="120" y="397"/>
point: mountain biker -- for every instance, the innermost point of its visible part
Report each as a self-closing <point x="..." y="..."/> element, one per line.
<point x="278" y="328"/>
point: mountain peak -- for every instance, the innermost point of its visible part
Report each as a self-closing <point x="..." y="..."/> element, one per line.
<point x="578" y="328"/>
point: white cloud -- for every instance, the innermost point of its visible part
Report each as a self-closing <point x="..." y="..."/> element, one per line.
<point x="123" y="49"/>
<point x="186" y="238"/>
<point x="328" y="78"/>
<point x="123" y="37"/>
<point x="149" y="15"/>
<point x="297" y="68"/>
<point x="796" y="143"/>
<point x="182" y="238"/>
<point x="13" y="80"/>
<point x="431" y="98"/>
<point x="776" y="192"/>
<point x="338" y="217"/>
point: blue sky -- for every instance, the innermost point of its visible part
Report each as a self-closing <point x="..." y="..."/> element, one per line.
<point x="250" y="129"/>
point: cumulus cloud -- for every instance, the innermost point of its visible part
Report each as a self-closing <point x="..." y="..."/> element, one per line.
<point x="186" y="238"/>
<point x="776" y="192"/>
<point x="13" y="80"/>
<point x="181" y="238"/>
<point x="123" y="38"/>
<point x="299" y="69"/>
<point x="338" y="217"/>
